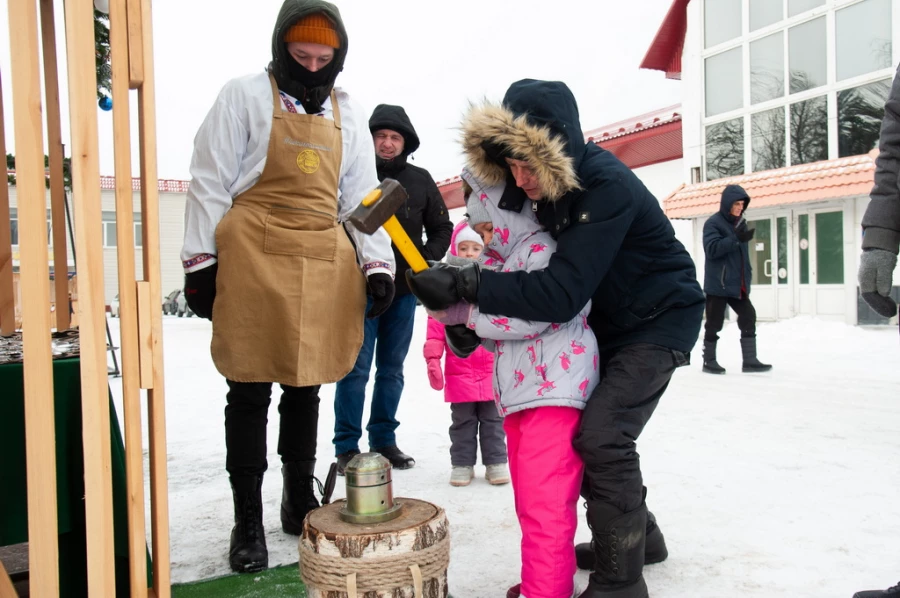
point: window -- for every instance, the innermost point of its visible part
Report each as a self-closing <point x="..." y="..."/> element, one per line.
<point x="863" y="38"/>
<point x="807" y="55"/>
<point x="809" y="131"/>
<point x="830" y="248"/>
<point x="695" y="175"/>
<point x="725" y="149"/>
<point x="721" y="21"/>
<point x="768" y="139"/>
<point x="795" y="7"/>
<point x="767" y="68"/>
<point x="860" y="112"/>
<point x="724" y="88"/>
<point x="765" y="12"/>
<point x="14" y="227"/>
<point x="109" y="230"/>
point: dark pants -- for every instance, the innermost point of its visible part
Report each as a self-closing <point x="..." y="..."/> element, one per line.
<point x="715" y="316"/>
<point x="633" y="378"/>
<point x="246" y="416"/>
<point x="387" y="339"/>
<point x="471" y="421"/>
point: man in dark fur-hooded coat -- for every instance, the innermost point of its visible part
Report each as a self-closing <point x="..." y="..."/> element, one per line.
<point x="616" y="248"/>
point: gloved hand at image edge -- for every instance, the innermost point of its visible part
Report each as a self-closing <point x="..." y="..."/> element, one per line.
<point x="876" y="272"/>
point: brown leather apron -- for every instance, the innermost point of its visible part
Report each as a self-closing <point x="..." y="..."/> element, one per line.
<point x="290" y="295"/>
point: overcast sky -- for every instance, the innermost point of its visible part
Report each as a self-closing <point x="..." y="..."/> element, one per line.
<point x="430" y="57"/>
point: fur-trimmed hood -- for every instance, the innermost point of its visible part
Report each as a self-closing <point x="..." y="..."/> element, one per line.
<point x="536" y="122"/>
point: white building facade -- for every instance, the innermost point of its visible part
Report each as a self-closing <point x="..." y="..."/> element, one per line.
<point x="785" y="97"/>
<point x="172" y="196"/>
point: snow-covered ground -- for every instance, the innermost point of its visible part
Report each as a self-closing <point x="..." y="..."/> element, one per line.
<point x="765" y="485"/>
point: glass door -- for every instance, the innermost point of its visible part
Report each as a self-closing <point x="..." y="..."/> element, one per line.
<point x="770" y="280"/>
<point x="762" y="291"/>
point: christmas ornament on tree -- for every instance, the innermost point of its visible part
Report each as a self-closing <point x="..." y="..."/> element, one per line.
<point x="105" y="103"/>
<point x="102" y="6"/>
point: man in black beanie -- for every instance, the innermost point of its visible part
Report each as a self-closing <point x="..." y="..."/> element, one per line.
<point x="388" y="336"/>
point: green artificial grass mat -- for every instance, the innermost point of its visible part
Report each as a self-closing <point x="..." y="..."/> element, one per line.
<point x="279" y="582"/>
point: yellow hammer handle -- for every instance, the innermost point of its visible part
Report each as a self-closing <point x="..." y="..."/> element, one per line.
<point x="405" y="245"/>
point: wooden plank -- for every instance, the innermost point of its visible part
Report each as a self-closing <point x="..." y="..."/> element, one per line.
<point x="82" y="72"/>
<point x="6" y="587"/>
<point x="145" y="333"/>
<point x="128" y="302"/>
<point x="55" y="150"/>
<point x="7" y="288"/>
<point x="135" y="43"/>
<point x="40" y="438"/>
<point x="156" y="406"/>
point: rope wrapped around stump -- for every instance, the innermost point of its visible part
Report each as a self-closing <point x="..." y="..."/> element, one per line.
<point x="354" y="575"/>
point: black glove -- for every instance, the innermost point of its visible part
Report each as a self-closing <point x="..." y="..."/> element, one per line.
<point x="461" y="340"/>
<point x="381" y="287"/>
<point x="746" y="234"/>
<point x="443" y="285"/>
<point x="200" y="290"/>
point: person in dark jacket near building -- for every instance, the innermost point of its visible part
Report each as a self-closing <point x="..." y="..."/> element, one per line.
<point x="388" y="336"/>
<point x="727" y="279"/>
<point x="881" y="222"/>
<point x="615" y="248"/>
<point x="881" y="236"/>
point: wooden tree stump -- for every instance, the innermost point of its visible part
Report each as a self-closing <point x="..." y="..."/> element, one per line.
<point x="406" y="557"/>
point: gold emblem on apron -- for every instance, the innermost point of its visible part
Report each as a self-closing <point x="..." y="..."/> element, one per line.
<point x="290" y="295"/>
<point x="308" y="161"/>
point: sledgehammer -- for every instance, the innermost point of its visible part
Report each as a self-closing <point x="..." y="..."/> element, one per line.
<point x="377" y="209"/>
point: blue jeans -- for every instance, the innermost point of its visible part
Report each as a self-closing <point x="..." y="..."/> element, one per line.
<point x="387" y="337"/>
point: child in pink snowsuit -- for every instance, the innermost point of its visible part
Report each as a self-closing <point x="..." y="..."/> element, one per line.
<point x="467" y="387"/>
<point x="543" y="374"/>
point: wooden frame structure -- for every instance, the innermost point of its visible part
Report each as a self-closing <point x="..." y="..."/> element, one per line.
<point x="141" y="320"/>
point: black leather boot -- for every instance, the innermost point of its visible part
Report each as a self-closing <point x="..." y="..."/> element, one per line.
<point x="619" y="542"/>
<point x="891" y="592"/>
<point x="751" y="363"/>
<point x="298" y="496"/>
<point x="655" y="550"/>
<point x="248" y="552"/>
<point x="710" y="365"/>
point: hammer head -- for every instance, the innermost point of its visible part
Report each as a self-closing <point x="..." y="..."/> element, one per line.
<point x="379" y="205"/>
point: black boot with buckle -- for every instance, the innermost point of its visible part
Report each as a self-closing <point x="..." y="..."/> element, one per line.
<point x="248" y="552"/>
<point x="655" y="550"/>
<point x="298" y="496"/>
<point x="619" y="544"/>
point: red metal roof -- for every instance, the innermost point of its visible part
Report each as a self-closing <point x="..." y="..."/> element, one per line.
<point x="108" y="183"/>
<point x="828" y="179"/>
<point x="643" y="140"/>
<point x="639" y="141"/>
<point x="451" y="191"/>
<point x="665" y="51"/>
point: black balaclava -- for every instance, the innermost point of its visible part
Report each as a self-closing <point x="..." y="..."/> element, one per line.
<point x="293" y="78"/>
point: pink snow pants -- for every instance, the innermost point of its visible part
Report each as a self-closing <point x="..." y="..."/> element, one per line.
<point x="546" y="477"/>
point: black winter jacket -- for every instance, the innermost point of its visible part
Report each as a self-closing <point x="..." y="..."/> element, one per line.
<point x="615" y="245"/>
<point x="727" y="259"/>
<point x="881" y="222"/>
<point x="424" y="209"/>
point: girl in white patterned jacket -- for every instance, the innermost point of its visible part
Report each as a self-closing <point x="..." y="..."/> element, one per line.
<point x="543" y="374"/>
